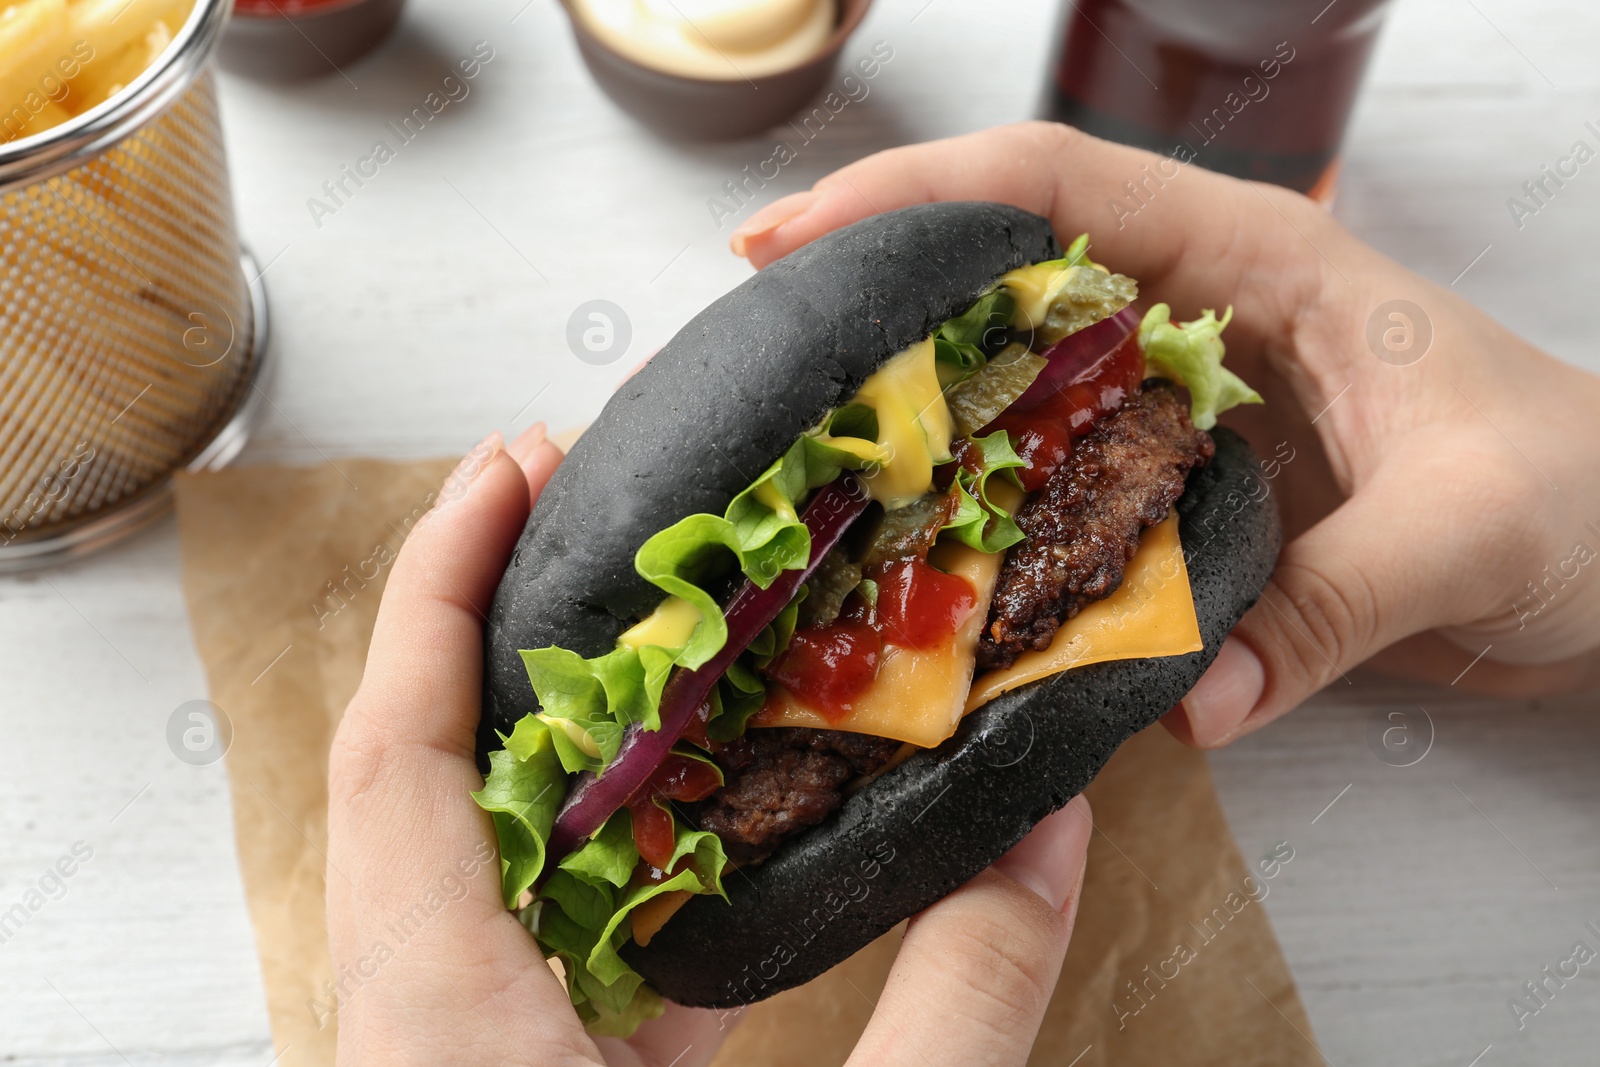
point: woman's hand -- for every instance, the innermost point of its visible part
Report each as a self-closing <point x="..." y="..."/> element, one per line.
<point x="1443" y="508"/>
<point x="431" y="967"/>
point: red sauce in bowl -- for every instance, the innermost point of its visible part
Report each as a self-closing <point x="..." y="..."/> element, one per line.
<point x="287" y="40"/>
<point x="287" y="8"/>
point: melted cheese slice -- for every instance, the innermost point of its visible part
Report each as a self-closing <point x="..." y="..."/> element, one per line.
<point x="920" y="696"/>
<point x="1151" y="615"/>
<point x="914" y="426"/>
<point x="648" y="918"/>
<point x="1032" y="287"/>
<point x="669" y="626"/>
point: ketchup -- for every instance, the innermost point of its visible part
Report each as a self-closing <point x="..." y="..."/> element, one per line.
<point x="283" y="8"/>
<point x="831" y="665"/>
<point x="287" y="40"/>
<point x="680" y="778"/>
<point x="1042" y="442"/>
<point x="695" y="731"/>
<point x="920" y="606"/>
<point x="1043" y="434"/>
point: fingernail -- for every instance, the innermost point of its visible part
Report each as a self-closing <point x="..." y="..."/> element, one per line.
<point x="472" y="464"/>
<point x="1050" y="859"/>
<point x="527" y="441"/>
<point x="1225" y="695"/>
<point x="770" y="218"/>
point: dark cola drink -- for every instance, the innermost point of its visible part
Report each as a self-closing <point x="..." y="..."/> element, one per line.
<point x="1259" y="89"/>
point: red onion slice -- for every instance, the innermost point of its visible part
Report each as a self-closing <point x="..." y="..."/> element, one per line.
<point x="1076" y="356"/>
<point x="593" y="799"/>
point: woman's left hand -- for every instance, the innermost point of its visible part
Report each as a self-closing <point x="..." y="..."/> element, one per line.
<point x="431" y="967"/>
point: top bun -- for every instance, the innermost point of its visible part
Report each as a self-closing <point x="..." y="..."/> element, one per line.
<point x="718" y="405"/>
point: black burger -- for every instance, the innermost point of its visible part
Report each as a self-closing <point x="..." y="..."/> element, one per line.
<point x="871" y="568"/>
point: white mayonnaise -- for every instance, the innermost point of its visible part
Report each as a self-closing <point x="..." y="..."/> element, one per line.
<point x="725" y="40"/>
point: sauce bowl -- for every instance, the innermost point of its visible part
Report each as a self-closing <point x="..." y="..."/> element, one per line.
<point x="706" y="109"/>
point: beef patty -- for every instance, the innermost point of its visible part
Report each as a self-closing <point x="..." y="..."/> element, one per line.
<point x="783" y="780"/>
<point x="1083" y="527"/>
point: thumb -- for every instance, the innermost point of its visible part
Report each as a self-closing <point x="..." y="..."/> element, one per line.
<point x="975" y="972"/>
<point x="1383" y="566"/>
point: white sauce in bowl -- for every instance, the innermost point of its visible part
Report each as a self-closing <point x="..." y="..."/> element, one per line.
<point x="724" y="40"/>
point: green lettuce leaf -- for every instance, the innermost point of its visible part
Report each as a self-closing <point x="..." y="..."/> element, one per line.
<point x="525" y="787"/>
<point x="761" y="529"/>
<point x="607" y="858"/>
<point x="582" y="917"/>
<point x="702" y="873"/>
<point x="1190" y="353"/>
<point x="978" y="521"/>
<point x="599" y="1019"/>
<point x="586" y="703"/>
<point x="577" y="710"/>
<point x="586" y="902"/>
<point x="775" y="637"/>
<point x="963" y="344"/>
<point x="739" y="694"/>
<point x="567" y="921"/>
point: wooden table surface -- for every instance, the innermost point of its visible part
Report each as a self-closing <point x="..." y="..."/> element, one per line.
<point x="432" y="307"/>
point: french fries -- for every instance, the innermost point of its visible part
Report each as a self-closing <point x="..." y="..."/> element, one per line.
<point x="101" y="81"/>
<point x="59" y="58"/>
<point x="110" y="26"/>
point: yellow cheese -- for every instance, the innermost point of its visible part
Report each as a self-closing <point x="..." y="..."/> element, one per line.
<point x="919" y="695"/>
<point x="648" y="918"/>
<point x="576" y="733"/>
<point x="767" y="493"/>
<point x="669" y="626"/>
<point x="1032" y="287"/>
<point x="914" y="425"/>
<point x="864" y="450"/>
<point x="1151" y="615"/>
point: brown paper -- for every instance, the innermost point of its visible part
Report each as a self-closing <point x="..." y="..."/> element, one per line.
<point x="1157" y="824"/>
<point x="282" y="570"/>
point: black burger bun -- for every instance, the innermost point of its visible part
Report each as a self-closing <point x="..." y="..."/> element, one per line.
<point x="718" y="405"/>
<point x="714" y="408"/>
<point x="933" y="822"/>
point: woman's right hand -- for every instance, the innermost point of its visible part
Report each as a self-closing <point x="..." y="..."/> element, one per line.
<point x="1443" y="503"/>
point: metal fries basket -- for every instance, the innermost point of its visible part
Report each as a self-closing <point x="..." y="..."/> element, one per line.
<point x="132" y="327"/>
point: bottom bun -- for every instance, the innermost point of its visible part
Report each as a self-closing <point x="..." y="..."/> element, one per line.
<point x="936" y="820"/>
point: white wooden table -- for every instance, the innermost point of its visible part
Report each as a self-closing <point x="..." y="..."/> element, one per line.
<point x="432" y="307"/>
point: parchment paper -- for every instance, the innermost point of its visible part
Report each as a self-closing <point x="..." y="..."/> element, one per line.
<point x="1173" y="960"/>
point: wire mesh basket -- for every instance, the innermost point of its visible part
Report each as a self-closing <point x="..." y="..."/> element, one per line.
<point x="132" y="327"/>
